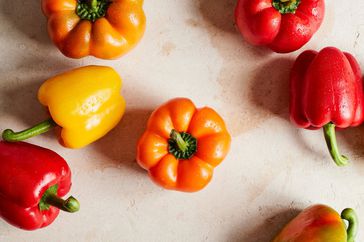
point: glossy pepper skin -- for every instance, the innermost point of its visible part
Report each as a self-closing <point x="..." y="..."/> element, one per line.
<point x="281" y="25"/>
<point x="85" y="102"/>
<point x="327" y="91"/>
<point x="182" y="145"/>
<point x="26" y="173"/>
<point x="102" y="28"/>
<point x="320" y="223"/>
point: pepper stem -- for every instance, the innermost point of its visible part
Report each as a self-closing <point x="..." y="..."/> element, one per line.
<point x="349" y="215"/>
<point x="286" y="6"/>
<point x="92" y="9"/>
<point x="93" y="4"/>
<point x="11" y="136"/>
<point x="330" y="137"/>
<point x="182" y="145"/>
<point x="50" y="198"/>
<point x="70" y="205"/>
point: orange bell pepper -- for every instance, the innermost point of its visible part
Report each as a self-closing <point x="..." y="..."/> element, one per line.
<point x="182" y="145"/>
<point x="103" y="28"/>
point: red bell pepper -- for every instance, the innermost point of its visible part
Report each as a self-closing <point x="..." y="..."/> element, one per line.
<point x="32" y="181"/>
<point x="282" y="25"/>
<point x="327" y="91"/>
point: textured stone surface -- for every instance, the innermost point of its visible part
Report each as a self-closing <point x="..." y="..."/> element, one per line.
<point x="191" y="48"/>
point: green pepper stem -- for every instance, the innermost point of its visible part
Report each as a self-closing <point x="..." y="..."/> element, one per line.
<point x="93" y="4"/>
<point x="182" y="145"/>
<point x="349" y="215"/>
<point x="92" y="9"/>
<point x="286" y="6"/>
<point x="330" y="137"/>
<point x="70" y="205"/>
<point x="176" y="136"/>
<point x="11" y="136"/>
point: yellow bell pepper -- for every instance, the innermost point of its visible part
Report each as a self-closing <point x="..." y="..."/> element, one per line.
<point x="85" y="102"/>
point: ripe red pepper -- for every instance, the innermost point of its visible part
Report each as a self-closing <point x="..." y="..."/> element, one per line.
<point x="282" y="25"/>
<point x="32" y="181"/>
<point x="327" y="91"/>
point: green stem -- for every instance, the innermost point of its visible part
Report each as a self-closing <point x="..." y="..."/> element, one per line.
<point x="11" y="136"/>
<point x="70" y="205"/>
<point x="286" y="6"/>
<point x="93" y="5"/>
<point x="50" y="198"/>
<point x="182" y="145"/>
<point x="350" y="215"/>
<point x="330" y="137"/>
<point x="92" y="9"/>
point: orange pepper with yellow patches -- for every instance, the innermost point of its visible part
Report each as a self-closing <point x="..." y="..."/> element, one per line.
<point x="102" y="28"/>
<point x="85" y="103"/>
<point x="182" y="145"/>
<point x="320" y="223"/>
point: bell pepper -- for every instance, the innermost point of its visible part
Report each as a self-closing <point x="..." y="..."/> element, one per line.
<point x="320" y="223"/>
<point x="105" y="29"/>
<point x="32" y="181"/>
<point x="182" y="145"/>
<point x="327" y="91"/>
<point x="85" y="102"/>
<point x="281" y="25"/>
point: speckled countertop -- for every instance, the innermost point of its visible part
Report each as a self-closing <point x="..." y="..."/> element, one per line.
<point x="191" y="49"/>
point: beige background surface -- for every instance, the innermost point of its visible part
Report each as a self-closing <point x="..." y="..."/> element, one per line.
<point x="191" y="49"/>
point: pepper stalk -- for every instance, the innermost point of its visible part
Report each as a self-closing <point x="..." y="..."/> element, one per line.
<point x="353" y="225"/>
<point x="182" y="145"/>
<point x="330" y="137"/>
<point x="286" y="6"/>
<point x="43" y="127"/>
<point x="92" y="9"/>
<point x="50" y="198"/>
